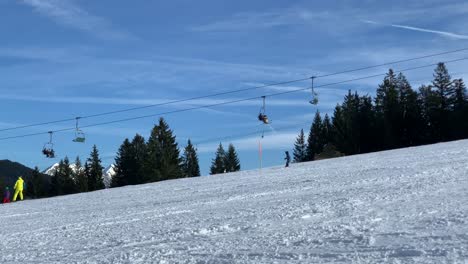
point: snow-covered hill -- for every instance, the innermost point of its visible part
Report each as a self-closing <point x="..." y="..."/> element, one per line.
<point x="402" y="206"/>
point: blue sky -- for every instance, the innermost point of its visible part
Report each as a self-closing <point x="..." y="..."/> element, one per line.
<point x="65" y="58"/>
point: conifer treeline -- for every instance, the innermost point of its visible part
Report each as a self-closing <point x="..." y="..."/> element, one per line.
<point x="397" y="117"/>
<point x="158" y="159"/>
<point x="67" y="180"/>
<point x="139" y="161"/>
<point x="225" y="161"/>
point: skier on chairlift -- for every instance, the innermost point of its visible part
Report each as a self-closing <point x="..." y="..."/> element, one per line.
<point x="264" y="118"/>
<point x="49" y="153"/>
<point x="48" y="149"/>
<point x="314" y="99"/>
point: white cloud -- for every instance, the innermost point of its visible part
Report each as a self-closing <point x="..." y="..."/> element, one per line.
<point x="146" y="101"/>
<point x="442" y="33"/>
<point x="65" y="12"/>
<point x="82" y="66"/>
<point x="425" y="30"/>
<point x="370" y="22"/>
<point x="4" y="125"/>
<point x="263" y="20"/>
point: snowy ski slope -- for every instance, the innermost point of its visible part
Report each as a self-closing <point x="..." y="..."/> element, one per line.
<point x="402" y="206"/>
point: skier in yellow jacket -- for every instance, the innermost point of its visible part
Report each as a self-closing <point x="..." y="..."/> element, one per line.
<point x="18" y="188"/>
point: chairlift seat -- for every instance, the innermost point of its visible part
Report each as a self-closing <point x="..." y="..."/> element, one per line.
<point x="314" y="100"/>
<point x="79" y="139"/>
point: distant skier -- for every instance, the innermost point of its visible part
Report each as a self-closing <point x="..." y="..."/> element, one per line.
<point x="6" y="197"/>
<point x="288" y="158"/>
<point x="19" y="185"/>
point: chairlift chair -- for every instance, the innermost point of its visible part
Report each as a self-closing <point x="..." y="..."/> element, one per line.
<point x="262" y="115"/>
<point x="48" y="149"/>
<point x="79" y="134"/>
<point x="314" y="99"/>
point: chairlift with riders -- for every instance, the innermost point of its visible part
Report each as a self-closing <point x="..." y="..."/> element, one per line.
<point x="314" y="99"/>
<point x="48" y="149"/>
<point x="262" y="115"/>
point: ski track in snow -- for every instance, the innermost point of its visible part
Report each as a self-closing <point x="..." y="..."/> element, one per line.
<point x="401" y="206"/>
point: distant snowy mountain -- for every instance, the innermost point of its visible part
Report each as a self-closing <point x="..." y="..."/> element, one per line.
<point x="52" y="169"/>
<point x="107" y="173"/>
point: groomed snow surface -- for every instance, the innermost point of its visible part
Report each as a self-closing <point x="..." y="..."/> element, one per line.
<point x="402" y="206"/>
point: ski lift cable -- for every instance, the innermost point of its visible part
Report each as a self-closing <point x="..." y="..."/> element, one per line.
<point x="235" y="91"/>
<point x="154" y="105"/>
<point x="233" y="101"/>
<point x="393" y="62"/>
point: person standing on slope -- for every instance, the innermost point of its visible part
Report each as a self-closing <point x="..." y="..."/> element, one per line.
<point x="6" y="197"/>
<point x="19" y="185"/>
<point x="288" y="158"/>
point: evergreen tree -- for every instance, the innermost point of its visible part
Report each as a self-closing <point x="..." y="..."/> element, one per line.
<point x="55" y="187"/>
<point x="154" y="157"/>
<point x="444" y="87"/>
<point x="351" y="114"/>
<point x="411" y="123"/>
<point x="444" y="97"/>
<point x="190" y="165"/>
<point x="231" y="161"/>
<point x="65" y="177"/>
<point x="37" y="184"/>
<point x="388" y="112"/>
<point x="300" y="148"/>
<point x="80" y="177"/>
<point x="93" y="171"/>
<point x="428" y="102"/>
<point x="217" y="165"/>
<point x="2" y="187"/>
<point x="459" y="126"/>
<point x="366" y="126"/>
<point x="314" y="141"/>
<point x="339" y="129"/>
<point x="129" y="162"/>
<point x="123" y="160"/>
<point x="58" y="181"/>
<point x="327" y="130"/>
<point x="28" y="189"/>
<point x="346" y="131"/>
<point x="163" y="161"/>
<point x="139" y="149"/>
